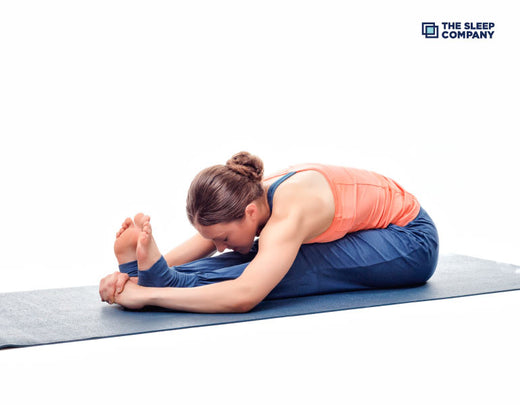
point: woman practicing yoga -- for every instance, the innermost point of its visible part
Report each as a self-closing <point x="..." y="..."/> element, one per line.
<point x="320" y="228"/>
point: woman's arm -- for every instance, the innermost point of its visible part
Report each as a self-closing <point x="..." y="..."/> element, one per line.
<point x="301" y="212"/>
<point x="194" y="248"/>
<point x="278" y="246"/>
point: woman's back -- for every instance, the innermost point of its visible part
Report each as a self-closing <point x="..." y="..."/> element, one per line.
<point x="361" y="199"/>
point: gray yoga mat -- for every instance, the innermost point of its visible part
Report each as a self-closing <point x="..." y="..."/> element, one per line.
<point x="70" y="314"/>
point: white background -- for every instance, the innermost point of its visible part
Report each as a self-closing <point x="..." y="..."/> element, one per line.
<point x="108" y="108"/>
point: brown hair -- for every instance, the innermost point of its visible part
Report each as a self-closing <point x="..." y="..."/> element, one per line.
<point x="221" y="193"/>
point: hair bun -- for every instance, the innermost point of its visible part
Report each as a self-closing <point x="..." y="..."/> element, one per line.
<point x="247" y="165"/>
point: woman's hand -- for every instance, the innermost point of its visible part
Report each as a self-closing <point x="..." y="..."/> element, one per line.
<point x="113" y="284"/>
<point x="133" y="296"/>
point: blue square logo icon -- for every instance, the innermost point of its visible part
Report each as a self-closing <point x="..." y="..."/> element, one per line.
<point x="430" y="30"/>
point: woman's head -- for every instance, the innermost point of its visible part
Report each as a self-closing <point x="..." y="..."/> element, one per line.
<point x="221" y="193"/>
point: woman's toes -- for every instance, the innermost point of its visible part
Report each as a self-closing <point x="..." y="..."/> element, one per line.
<point x="128" y="223"/>
<point x="138" y="219"/>
<point x="147" y="227"/>
<point x="144" y="237"/>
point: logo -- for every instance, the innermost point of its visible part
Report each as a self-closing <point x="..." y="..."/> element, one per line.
<point x="459" y="30"/>
<point x="430" y="30"/>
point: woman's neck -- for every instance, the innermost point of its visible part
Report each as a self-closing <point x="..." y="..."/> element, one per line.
<point x="264" y="212"/>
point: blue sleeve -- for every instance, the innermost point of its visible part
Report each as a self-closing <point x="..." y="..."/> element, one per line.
<point x="160" y="275"/>
<point x="129" y="268"/>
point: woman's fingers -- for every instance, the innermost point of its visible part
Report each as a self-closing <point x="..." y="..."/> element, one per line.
<point x="121" y="281"/>
<point x="102" y="288"/>
<point x="107" y="287"/>
<point x="111" y="285"/>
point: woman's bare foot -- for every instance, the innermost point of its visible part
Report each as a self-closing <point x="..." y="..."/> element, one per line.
<point x="147" y="251"/>
<point x="126" y="242"/>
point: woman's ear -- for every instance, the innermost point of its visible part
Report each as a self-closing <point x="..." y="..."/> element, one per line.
<point x="251" y="210"/>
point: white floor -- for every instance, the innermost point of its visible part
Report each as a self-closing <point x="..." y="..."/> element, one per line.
<point x="462" y="350"/>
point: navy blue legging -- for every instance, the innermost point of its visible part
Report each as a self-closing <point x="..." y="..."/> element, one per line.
<point x="377" y="258"/>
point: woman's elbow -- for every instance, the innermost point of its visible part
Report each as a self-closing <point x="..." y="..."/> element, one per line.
<point x="245" y="301"/>
<point x="242" y="306"/>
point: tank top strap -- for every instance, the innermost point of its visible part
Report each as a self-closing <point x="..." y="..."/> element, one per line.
<point x="274" y="186"/>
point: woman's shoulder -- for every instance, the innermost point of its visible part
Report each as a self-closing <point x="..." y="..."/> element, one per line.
<point x="307" y="198"/>
<point x="303" y="190"/>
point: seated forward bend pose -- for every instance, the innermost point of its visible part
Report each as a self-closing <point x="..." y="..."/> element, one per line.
<point x="320" y="229"/>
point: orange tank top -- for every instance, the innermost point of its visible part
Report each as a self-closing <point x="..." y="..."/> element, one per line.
<point x="363" y="200"/>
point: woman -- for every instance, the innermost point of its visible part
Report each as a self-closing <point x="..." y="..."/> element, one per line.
<point x="321" y="229"/>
